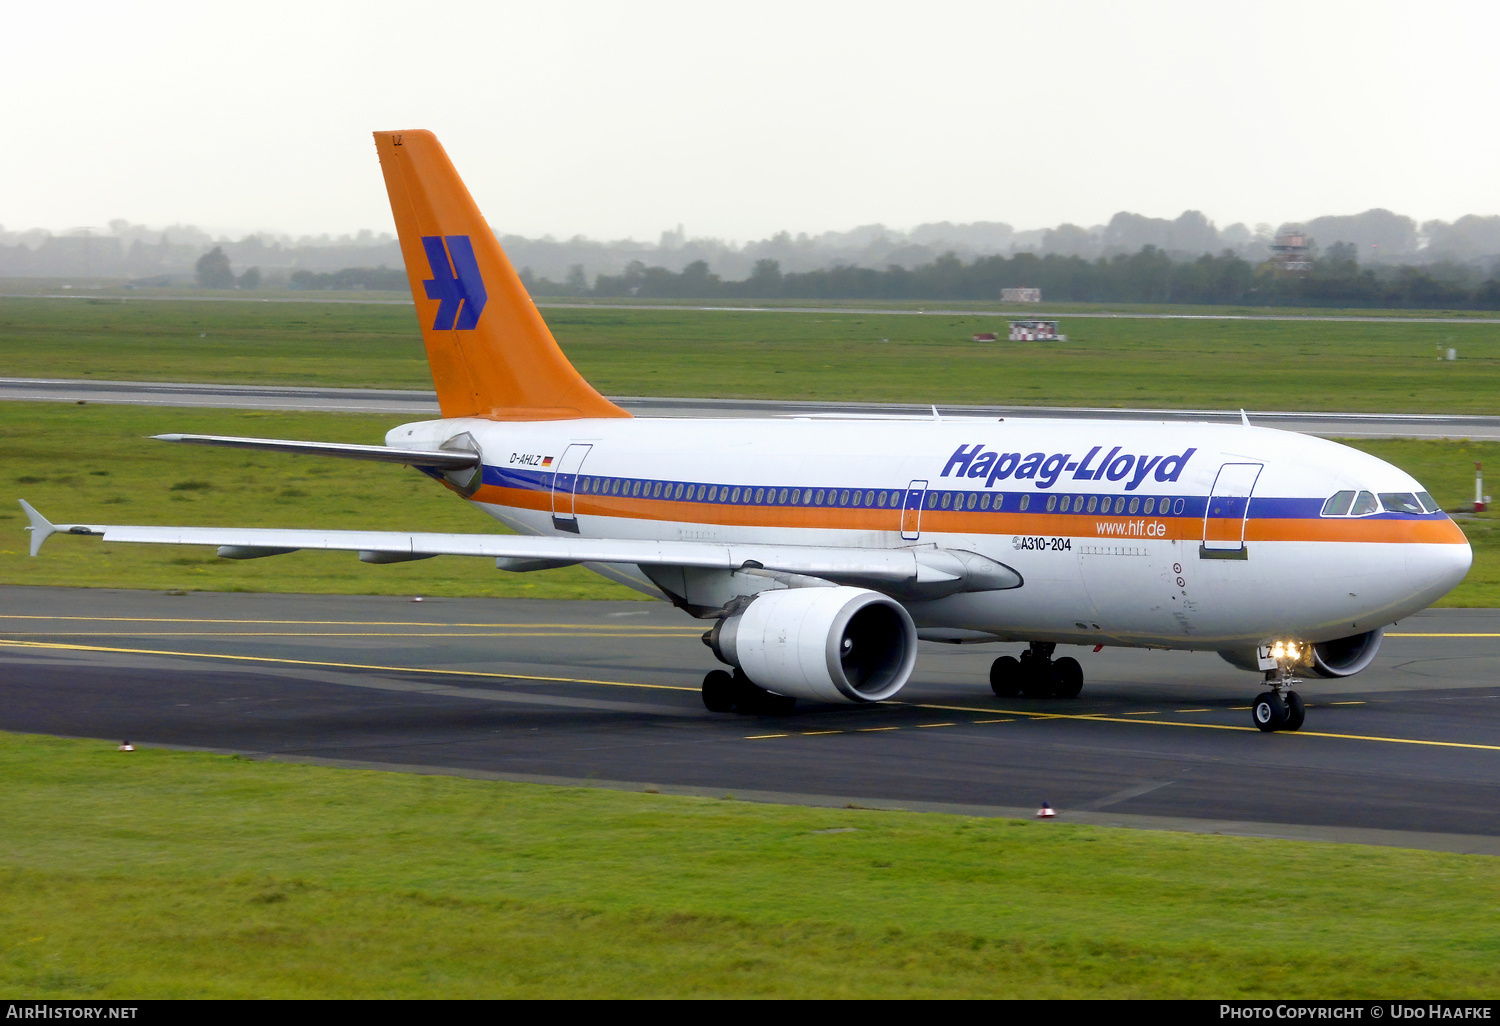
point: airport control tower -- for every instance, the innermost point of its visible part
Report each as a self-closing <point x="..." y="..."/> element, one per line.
<point x="1291" y="251"/>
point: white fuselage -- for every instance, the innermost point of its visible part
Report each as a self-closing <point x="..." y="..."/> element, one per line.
<point x="1168" y="534"/>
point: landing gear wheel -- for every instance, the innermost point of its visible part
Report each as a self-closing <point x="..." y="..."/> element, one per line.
<point x="1036" y="676"/>
<point x="1005" y="677"/>
<point x="1296" y="711"/>
<point x="718" y="692"/>
<point x="751" y="699"/>
<point x="1269" y="712"/>
<point x="1067" y="677"/>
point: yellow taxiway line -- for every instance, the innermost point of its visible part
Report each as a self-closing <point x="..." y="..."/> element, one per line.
<point x="344" y="623"/>
<point x="342" y="666"/>
<point x="322" y="634"/>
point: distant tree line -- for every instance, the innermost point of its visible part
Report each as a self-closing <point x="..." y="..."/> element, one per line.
<point x="351" y="279"/>
<point x="1147" y="276"/>
<point x="214" y="272"/>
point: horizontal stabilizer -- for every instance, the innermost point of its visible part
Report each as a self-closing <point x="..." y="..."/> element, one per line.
<point x="40" y="527"/>
<point x="377" y="453"/>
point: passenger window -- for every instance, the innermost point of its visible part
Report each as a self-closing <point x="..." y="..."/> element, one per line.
<point x="1338" y="504"/>
<point x="1429" y="504"/>
<point x="1364" y="505"/>
<point x="1051" y="503"/>
<point x="1093" y="503"/>
<point x="1400" y="502"/>
<point x="1150" y="505"/>
<point x="984" y="503"/>
<point x="1025" y="501"/>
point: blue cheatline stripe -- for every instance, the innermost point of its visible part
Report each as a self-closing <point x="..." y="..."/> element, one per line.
<point x="939" y="500"/>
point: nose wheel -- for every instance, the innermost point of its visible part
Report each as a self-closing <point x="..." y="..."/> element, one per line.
<point x="1036" y="674"/>
<point x="1281" y="708"/>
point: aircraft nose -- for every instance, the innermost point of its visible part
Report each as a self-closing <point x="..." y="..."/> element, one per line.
<point x="1435" y="570"/>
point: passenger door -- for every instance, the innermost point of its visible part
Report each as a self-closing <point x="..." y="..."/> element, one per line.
<point x="565" y="486"/>
<point x="1228" y="509"/>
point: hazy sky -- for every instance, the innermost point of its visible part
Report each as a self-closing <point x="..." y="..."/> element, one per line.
<point x="741" y="119"/>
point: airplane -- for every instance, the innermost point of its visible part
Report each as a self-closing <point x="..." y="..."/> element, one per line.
<point x="823" y="549"/>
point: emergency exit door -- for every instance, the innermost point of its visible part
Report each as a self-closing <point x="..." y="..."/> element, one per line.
<point x="911" y="511"/>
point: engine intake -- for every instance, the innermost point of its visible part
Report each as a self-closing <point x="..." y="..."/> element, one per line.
<point x="823" y="644"/>
<point x="1346" y="656"/>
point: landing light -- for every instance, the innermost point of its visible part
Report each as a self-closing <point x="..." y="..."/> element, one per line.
<point x="1285" y="650"/>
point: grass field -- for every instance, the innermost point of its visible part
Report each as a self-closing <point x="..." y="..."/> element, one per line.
<point x="169" y="874"/>
<point x="94" y="464"/>
<point x="1351" y="366"/>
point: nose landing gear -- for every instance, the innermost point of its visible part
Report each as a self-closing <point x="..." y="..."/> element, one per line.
<point x="1281" y="708"/>
<point x="1036" y="674"/>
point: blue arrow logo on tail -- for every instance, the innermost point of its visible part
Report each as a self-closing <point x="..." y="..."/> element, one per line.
<point x="455" y="282"/>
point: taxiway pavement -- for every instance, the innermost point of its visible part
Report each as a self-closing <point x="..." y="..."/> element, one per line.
<point x="606" y="693"/>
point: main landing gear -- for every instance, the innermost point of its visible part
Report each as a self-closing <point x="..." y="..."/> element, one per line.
<point x="1281" y="708"/>
<point x="726" y="692"/>
<point x="1036" y="674"/>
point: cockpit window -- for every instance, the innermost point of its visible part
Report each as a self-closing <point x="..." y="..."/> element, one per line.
<point x="1338" y="504"/>
<point x="1400" y="502"/>
<point x="1362" y="504"/>
<point x="1429" y="504"/>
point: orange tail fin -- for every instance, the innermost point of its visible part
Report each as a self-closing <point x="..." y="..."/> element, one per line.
<point x="489" y="349"/>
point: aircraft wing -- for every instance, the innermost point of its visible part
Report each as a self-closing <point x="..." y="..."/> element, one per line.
<point x="924" y="565"/>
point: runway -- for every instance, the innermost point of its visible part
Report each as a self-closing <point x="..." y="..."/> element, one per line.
<point x="606" y="694"/>
<point x="416" y="405"/>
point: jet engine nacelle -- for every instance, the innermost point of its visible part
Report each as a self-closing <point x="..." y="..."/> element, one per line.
<point x="823" y="644"/>
<point x="1346" y="656"/>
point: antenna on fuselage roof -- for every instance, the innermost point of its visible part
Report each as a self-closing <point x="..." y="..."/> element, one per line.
<point x="1244" y="419"/>
<point x="937" y="418"/>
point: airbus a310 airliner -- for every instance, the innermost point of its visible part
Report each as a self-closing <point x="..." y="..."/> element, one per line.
<point x="823" y="549"/>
